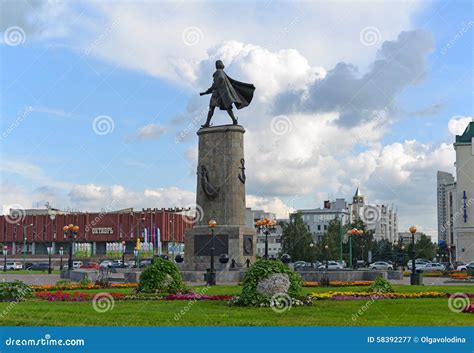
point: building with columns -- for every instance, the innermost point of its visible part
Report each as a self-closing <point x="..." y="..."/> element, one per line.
<point x="463" y="216"/>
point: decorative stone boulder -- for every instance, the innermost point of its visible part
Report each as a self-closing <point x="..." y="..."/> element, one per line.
<point x="273" y="284"/>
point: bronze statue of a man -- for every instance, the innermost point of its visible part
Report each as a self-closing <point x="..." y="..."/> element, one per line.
<point x="225" y="92"/>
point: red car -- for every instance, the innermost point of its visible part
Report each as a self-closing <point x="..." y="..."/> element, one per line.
<point x="91" y="265"/>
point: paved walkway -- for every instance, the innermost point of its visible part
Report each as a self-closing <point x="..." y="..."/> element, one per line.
<point x="35" y="279"/>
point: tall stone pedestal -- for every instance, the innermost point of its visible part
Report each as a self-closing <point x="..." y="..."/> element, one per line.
<point x="220" y="196"/>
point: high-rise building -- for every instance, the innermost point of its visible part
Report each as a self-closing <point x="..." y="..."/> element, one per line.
<point x="463" y="217"/>
<point x="446" y="194"/>
<point x="274" y="236"/>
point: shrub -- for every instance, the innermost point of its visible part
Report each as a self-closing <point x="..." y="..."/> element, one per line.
<point x="85" y="281"/>
<point x="14" y="291"/>
<point x="381" y="285"/>
<point x="63" y="284"/>
<point x="261" y="270"/>
<point x="161" y="277"/>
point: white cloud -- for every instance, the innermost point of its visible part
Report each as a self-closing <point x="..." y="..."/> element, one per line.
<point x="457" y="124"/>
<point x="150" y="132"/>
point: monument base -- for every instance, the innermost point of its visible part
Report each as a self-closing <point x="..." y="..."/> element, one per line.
<point x="237" y="242"/>
<point x="224" y="276"/>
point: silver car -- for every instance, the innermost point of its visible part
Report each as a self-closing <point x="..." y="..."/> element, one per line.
<point x="381" y="265"/>
<point x="434" y="266"/>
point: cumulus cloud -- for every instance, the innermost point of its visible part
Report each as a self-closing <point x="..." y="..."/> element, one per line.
<point x="150" y="132"/>
<point x="457" y="124"/>
<point x="356" y="97"/>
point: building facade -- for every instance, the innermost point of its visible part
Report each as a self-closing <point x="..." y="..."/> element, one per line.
<point x="318" y="219"/>
<point x="32" y="231"/>
<point x="463" y="217"/>
<point x="274" y="236"/>
<point x="446" y="194"/>
<point x="405" y="237"/>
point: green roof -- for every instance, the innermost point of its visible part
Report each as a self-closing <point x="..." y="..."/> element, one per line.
<point x="468" y="134"/>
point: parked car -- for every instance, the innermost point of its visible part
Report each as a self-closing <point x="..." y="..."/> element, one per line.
<point x="14" y="266"/>
<point x="434" y="266"/>
<point x="448" y="266"/>
<point x="106" y="264"/>
<point x="39" y="266"/>
<point x="145" y="263"/>
<point x="464" y="267"/>
<point x="332" y="265"/>
<point x="419" y="263"/>
<point x="456" y="264"/>
<point x="91" y="265"/>
<point x="299" y="264"/>
<point x="381" y="265"/>
<point x="342" y="263"/>
<point x="76" y="264"/>
<point x="28" y="265"/>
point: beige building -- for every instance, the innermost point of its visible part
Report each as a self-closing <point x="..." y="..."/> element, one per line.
<point x="463" y="217"/>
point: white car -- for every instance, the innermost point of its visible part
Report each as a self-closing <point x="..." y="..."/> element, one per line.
<point x="14" y="266"/>
<point x="419" y="263"/>
<point x="332" y="265"/>
<point x="76" y="264"/>
<point x="381" y="265"/>
<point x="434" y="266"/>
<point x="464" y="267"/>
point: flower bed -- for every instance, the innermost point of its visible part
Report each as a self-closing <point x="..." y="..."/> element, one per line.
<point x="196" y="296"/>
<point x="372" y="295"/>
<point x="60" y="296"/>
<point x="52" y="287"/>
<point x="81" y="296"/>
<point x="339" y="284"/>
<point x="469" y="309"/>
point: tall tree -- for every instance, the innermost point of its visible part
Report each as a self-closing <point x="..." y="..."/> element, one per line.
<point x="296" y="239"/>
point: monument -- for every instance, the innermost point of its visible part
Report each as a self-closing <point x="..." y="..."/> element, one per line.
<point x="220" y="193"/>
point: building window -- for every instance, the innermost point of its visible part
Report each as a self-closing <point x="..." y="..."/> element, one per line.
<point x="319" y="226"/>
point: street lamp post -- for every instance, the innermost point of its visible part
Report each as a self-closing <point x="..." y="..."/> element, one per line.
<point x="265" y="226"/>
<point x="5" y="252"/>
<point x="71" y="231"/>
<point x="326" y="247"/>
<point x="61" y="253"/>
<point x="415" y="278"/>
<point x="350" y="234"/>
<point x="123" y="253"/>
<point x="211" y="273"/>
<point x="24" y="243"/>
<point x="50" y="251"/>
<point x="135" y="253"/>
<point x="312" y="247"/>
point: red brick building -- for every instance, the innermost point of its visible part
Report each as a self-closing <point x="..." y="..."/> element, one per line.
<point x="43" y="228"/>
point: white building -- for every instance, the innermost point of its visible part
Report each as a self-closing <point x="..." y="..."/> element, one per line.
<point x="274" y="236"/>
<point x="382" y="219"/>
<point x="446" y="194"/>
<point x="318" y="219"/>
<point x="463" y="216"/>
<point x="405" y="237"/>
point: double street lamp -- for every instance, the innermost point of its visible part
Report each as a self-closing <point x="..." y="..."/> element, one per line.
<point x="135" y="253"/>
<point x="211" y="272"/>
<point x="5" y="252"/>
<point x="71" y="231"/>
<point x="350" y="234"/>
<point x="50" y="252"/>
<point x="61" y="253"/>
<point x="415" y="278"/>
<point x="265" y="226"/>
<point x="24" y="242"/>
<point x="123" y="253"/>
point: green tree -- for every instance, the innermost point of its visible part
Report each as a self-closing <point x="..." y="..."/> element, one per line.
<point x="296" y="239"/>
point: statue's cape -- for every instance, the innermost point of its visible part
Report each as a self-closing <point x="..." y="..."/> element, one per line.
<point x="232" y="91"/>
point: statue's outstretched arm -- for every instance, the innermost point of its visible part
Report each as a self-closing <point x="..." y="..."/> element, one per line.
<point x="209" y="91"/>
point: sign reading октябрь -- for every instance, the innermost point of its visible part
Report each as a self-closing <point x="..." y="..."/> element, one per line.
<point x="104" y="230"/>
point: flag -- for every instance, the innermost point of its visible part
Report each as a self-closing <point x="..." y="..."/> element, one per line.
<point x="153" y="237"/>
<point x="145" y="235"/>
<point x="158" y="240"/>
<point x="138" y="243"/>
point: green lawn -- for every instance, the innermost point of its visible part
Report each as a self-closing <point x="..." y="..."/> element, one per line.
<point x="419" y="312"/>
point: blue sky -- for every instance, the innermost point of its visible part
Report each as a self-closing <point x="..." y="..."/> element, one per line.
<point x="142" y="66"/>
